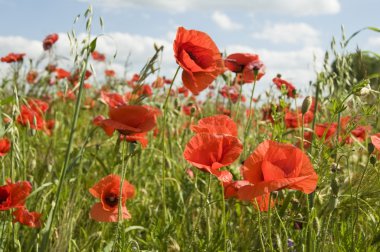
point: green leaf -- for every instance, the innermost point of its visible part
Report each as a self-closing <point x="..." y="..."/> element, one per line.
<point x="93" y="44"/>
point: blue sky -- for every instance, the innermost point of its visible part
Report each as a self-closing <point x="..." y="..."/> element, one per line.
<point x="285" y="34"/>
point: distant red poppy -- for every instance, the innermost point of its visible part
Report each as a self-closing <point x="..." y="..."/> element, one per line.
<point x="62" y="73"/>
<point x="77" y="74"/>
<point x="24" y="217"/>
<point x="375" y="139"/>
<point x="67" y="95"/>
<point x="158" y="83"/>
<point x="108" y="191"/>
<point x="274" y="166"/>
<point x="183" y="90"/>
<point x="325" y="130"/>
<point x="294" y="119"/>
<point x="49" y="41"/>
<point x="144" y="90"/>
<point x="112" y="99"/>
<point x="218" y="124"/>
<point x="38" y="105"/>
<point x="13" y="57"/>
<point x="199" y="58"/>
<point x="13" y="195"/>
<point x="246" y="64"/>
<point x="210" y="152"/>
<point x="31" y="77"/>
<point x="110" y="73"/>
<point x="289" y="86"/>
<point x="98" y="56"/>
<point x="130" y="119"/>
<point x="5" y="146"/>
<point x="360" y="133"/>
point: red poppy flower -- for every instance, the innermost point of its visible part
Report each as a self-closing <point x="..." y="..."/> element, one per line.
<point x="289" y="86"/>
<point x="199" y="58"/>
<point x="13" y="57"/>
<point x="110" y="73"/>
<point x="38" y="105"/>
<point x="210" y="152"/>
<point x="108" y="191"/>
<point x="274" y="166"/>
<point x="62" y="73"/>
<point x="360" y="133"/>
<point x="137" y="137"/>
<point x="31" y="77"/>
<point x="24" y="217"/>
<point x="130" y="119"/>
<point x="76" y="75"/>
<point x="31" y="118"/>
<point x="13" y="195"/>
<point x="218" y="124"/>
<point x="184" y="91"/>
<point x="246" y="64"/>
<point x="98" y="56"/>
<point x="5" y="146"/>
<point x="49" y="41"/>
<point x="325" y="130"/>
<point x="294" y="119"/>
<point x="144" y="90"/>
<point x="67" y="95"/>
<point x="375" y="139"/>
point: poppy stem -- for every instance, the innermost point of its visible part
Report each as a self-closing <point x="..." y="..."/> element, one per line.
<point x="248" y="125"/>
<point x="269" y="223"/>
<point x="163" y="186"/>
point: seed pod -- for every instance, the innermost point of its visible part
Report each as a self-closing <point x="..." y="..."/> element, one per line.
<point x="306" y="104"/>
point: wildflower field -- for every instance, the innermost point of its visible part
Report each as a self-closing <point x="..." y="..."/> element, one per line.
<point x="189" y="162"/>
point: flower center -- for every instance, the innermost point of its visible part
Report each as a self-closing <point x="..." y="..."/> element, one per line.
<point x="4" y="194"/>
<point x="112" y="200"/>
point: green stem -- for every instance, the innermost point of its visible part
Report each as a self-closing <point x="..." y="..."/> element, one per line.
<point x="53" y="211"/>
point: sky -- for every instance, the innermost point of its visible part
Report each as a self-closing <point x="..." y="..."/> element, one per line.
<point x="290" y="37"/>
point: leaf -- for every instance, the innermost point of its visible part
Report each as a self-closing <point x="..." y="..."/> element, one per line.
<point x="357" y="32"/>
<point x="93" y="44"/>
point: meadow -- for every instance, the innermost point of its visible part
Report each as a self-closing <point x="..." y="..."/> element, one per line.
<point x="187" y="162"/>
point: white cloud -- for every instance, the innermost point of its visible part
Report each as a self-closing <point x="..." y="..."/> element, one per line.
<point x="293" y="7"/>
<point x="136" y="48"/>
<point x="224" y="22"/>
<point x="289" y="33"/>
<point x="374" y="42"/>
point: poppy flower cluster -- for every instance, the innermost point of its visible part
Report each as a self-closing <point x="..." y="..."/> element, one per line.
<point x="108" y="191"/>
<point x="13" y="57"/>
<point x="13" y="196"/>
<point x="214" y="146"/>
<point x="272" y="166"/>
<point x="32" y="115"/>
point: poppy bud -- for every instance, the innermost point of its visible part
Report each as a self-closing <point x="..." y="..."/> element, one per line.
<point x="372" y="160"/>
<point x="370" y="148"/>
<point x="306" y="104"/>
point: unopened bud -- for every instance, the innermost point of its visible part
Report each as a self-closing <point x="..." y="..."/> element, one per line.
<point x="306" y="104"/>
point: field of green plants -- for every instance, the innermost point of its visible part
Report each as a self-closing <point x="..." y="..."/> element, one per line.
<point x="188" y="162"/>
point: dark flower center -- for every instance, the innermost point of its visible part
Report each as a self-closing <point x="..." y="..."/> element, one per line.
<point x="112" y="200"/>
<point x="4" y="194"/>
